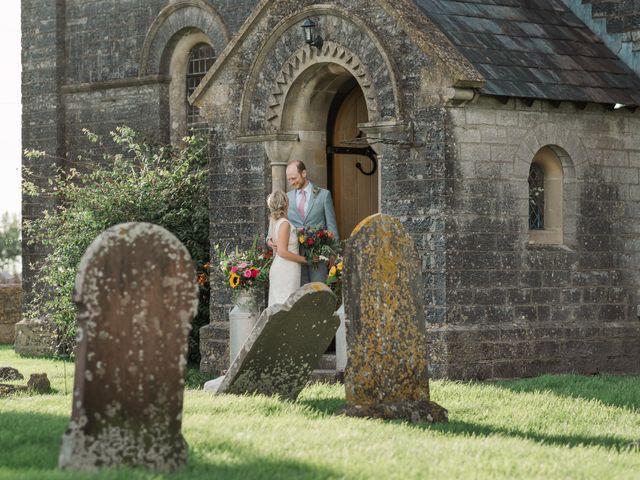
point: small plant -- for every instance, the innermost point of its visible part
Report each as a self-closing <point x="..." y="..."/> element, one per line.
<point x="142" y="183"/>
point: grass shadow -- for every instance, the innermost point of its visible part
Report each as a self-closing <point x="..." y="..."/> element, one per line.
<point x="615" y="391"/>
<point x="471" y="429"/>
<point x="31" y="445"/>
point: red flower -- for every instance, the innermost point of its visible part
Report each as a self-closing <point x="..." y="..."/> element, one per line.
<point x="320" y="233"/>
<point x="310" y="242"/>
<point x="255" y="272"/>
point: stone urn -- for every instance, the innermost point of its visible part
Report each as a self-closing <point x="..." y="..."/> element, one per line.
<point x="242" y="318"/>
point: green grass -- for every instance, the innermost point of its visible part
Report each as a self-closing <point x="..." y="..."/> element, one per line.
<point x="551" y="427"/>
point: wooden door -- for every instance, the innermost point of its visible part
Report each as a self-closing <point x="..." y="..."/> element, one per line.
<point x="355" y="194"/>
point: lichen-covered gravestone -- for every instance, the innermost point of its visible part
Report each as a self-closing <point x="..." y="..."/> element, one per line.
<point x="284" y="347"/>
<point x="387" y="368"/>
<point x="136" y="295"/>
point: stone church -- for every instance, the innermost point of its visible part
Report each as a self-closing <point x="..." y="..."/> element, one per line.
<point x="502" y="133"/>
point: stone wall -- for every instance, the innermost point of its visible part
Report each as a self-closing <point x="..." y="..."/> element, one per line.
<point x="519" y="308"/>
<point x="81" y="67"/>
<point x="10" y="311"/>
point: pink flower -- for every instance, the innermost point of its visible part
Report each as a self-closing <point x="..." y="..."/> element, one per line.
<point x="242" y="265"/>
<point x="234" y="269"/>
<point x="247" y="274"/>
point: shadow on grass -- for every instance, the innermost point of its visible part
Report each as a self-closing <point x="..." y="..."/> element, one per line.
<point x="332" y="406"/>
<point x="471" y="429"/>
<point x="30" y="444"/>
<point x="30" y="440"/>
<point x="615" y="391"/>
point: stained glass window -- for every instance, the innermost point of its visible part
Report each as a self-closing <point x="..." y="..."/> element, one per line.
<point x="536" y="197"/>
<point x="201" y="58"/>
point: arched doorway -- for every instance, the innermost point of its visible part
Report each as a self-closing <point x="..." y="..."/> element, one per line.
<point x="352" y="165"/>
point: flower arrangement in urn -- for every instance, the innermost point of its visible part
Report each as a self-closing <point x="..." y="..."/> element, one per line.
<point x="318" y="245"/>
<point x="244" y="270"/>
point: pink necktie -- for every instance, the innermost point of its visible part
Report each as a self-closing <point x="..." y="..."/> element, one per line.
<point x="301" y="202"/>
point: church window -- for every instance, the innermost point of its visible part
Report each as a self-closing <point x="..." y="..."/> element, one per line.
<point x="201" y="58"/>
<point x="536" y="197"/>
<point x="546" y="204"/>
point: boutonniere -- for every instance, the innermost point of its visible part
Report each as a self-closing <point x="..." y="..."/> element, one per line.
<point x="316" y="190"/>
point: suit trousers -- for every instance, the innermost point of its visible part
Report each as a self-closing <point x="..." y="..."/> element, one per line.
<point x="314" y="273"/>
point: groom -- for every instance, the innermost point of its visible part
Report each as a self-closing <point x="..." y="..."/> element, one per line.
<point x="310" y="206"/>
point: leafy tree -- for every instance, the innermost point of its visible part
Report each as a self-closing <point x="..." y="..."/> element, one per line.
<point x="142" y="183"/>
<point x="10" y="248"/>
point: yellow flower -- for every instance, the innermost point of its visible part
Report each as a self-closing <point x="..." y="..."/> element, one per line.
<point x="340" y="265"/>
<point x="332" y="271"/>
<point x="234" y="280"/>
<point x="301" y="239"/>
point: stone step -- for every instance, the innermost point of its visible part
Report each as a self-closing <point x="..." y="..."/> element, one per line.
<point x="327" y="362"/>
<point x="326" y="376"/>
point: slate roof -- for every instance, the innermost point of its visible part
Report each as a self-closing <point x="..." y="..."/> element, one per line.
<point x="534" y="49"/>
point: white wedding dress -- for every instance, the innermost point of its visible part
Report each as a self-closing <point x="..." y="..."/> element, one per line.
<point x="284" y="276"/>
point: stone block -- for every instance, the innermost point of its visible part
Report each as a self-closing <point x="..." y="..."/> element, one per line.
<point x="136" y="295"/>
<point x="36" y="337"/>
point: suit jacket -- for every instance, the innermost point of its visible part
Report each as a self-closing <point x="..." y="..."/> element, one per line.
<point x="320" y="213"/>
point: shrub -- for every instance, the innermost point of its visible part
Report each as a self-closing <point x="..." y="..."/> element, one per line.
<point x="142" y="183"/>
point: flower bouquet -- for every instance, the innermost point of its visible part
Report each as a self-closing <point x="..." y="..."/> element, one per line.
<point x="244" y="269"/>
<point x="317" y="245"/>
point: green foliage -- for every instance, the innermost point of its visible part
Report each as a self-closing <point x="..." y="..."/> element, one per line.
<point x="550" y="427"/>
<point x="141" y="183"/>
<point x="10" y="248"/>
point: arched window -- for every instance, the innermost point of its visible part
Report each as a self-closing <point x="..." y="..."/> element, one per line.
<point x="536" y="197"/>
<point x="546" y="198"/>
<point x="201" y="58"/>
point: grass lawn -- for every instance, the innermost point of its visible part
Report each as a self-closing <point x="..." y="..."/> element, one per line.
<point x="551" y="427"/>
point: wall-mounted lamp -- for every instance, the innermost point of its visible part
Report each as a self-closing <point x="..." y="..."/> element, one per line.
<point x="311" y="35"/>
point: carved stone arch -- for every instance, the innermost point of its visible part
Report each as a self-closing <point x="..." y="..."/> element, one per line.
<point x="304" y="58"/>
<point x="175" y="19"/>
<point x="549" y="140"/>
<point x="568" y="146"/>
<point x="271" y="78"/>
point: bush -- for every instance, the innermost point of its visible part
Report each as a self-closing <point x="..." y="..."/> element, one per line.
<point x="143" y="183"/>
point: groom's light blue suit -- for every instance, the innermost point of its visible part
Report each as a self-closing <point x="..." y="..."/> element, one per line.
<point x="319" y="214"/>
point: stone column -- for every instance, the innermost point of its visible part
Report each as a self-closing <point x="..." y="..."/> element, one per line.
<point x="279" y="152"/>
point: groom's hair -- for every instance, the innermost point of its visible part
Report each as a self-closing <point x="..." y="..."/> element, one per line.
<point x="299" y="165"/>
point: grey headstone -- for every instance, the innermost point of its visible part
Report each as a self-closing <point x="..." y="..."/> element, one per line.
<point x="285" y="345"/>
<point x="387" y="367"/>
<point x="136" y="294"/>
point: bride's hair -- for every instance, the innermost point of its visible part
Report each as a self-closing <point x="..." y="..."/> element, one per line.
<point x="278" y="204"/>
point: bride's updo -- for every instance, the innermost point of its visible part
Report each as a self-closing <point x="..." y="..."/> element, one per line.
<point x="278" y="204"/>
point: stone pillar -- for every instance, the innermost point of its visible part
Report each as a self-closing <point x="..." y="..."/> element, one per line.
<point x="279" y="152"/>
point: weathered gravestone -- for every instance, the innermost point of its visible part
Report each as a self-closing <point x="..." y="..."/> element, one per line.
<point x="136" y="295"/>
<point x="387" y="369"/>
<point x="284" y="346"/>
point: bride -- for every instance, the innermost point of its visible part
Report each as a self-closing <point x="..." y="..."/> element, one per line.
<point x="284" y="276"/>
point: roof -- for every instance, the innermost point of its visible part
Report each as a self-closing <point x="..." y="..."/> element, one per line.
<point x="534" y="49"/>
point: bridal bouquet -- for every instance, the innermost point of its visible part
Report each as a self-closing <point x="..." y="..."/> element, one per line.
<point x="244" y="269"/>
<point x="317" y="245"/>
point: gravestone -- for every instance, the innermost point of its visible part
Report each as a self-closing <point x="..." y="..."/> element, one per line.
<point x="10" y="373"/>
<point x="284" y="347"/>
<point x="387" y="368"/>
<point x="136" y="295"/>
